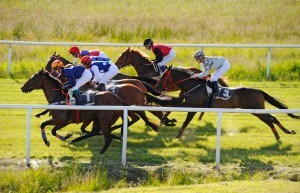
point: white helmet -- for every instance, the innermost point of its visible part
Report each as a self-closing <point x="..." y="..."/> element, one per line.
<point x="198" y="54"/>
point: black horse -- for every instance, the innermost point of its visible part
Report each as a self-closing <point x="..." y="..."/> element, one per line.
<point x="242" y="97"/>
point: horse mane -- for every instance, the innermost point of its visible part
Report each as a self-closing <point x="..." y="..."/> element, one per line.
<point x="138" y="51"/>
<point x="184" y="70"/>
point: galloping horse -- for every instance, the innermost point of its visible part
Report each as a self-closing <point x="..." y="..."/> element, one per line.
<point x="118" y="79"/>
<point x="61" y="118"/>
<point x="242" y="97"/>
<point x="140" y="61"/>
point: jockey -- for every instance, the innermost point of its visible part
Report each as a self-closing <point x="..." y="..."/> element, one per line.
<point x="76" y="53"/>
<point x="163" y="54"/>
<point x="102" y="68"/>
<point x="220" y="64"/>
<point x="76" y="77"/>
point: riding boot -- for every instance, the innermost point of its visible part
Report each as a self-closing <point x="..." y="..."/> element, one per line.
<point x="215" y="89"/>
<point x="78" y="98"/>
<point x="209" y="101"/>
<point x="162" y="69"/>
<point x="102" y="87"/>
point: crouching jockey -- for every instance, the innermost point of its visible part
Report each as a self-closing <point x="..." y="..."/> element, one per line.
<point x="102" y="68"/>
<point x="76" y="77"/>
<point x="220" y="64"/>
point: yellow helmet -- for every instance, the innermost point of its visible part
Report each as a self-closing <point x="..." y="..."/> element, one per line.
<point x="57" y="64"/>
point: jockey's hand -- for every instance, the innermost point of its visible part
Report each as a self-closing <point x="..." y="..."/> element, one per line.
<point x="194" y="76"/>
<point x="65" y="88"/>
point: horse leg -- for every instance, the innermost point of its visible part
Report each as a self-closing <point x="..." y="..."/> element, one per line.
<point x="142" y="114"/>
<point x="42" y="113"/>
<point x="58" y="127"/>
<point x="188" y="119"/>
<point x="84" y="125"/>
<point x="43" y="125"/>
<point x="164" y="120"/>
<point x="281" y="126"/>
<point x="266" y="118"/>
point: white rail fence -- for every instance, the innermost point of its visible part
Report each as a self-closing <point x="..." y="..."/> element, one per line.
<point x="125" y="110"/>
<point x="267" y="46"/>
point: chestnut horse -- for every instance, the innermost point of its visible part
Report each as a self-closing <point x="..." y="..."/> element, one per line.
<point x="242" y="97"/>
<point x="118" y="79"/>
<point x="61" y="118"/>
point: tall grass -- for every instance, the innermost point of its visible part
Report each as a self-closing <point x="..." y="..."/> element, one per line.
<point x="230" y="21"/>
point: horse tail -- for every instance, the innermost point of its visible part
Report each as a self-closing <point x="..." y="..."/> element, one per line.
<point x="151" y="89"/>
<point x="150" y="81"/>
<point x="277" y="104"/>
<point x="163" y="101"/>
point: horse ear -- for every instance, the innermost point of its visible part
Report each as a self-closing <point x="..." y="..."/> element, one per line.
<point x="128" y="48"/>
<point x="54" y="53"/>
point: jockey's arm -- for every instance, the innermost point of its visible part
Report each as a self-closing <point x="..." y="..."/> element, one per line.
<point x="158" y="54"/>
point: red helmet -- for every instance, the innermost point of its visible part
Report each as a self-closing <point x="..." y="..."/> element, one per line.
<point x="86" y="60"/>
<point x="74" y="49"/>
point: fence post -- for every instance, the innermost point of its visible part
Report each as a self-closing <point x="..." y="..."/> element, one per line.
<point x="218" y="151"/>
<point x="124" y="140"/>
<point x="9" y="59"/>
<point x="268" y="62"/>
<point x="28" y="136"/>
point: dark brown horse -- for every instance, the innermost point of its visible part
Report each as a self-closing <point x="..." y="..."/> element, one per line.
<point x="118" y="79"/>
<point x="61" y="118"/>
<point x="242" y="97"/>
<point x="140" y="62"/>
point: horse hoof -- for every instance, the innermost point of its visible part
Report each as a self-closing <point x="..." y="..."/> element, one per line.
<point x="71" y="142"/>
<point x="68" y="135"/>
<point x="279" y="142"/>
<point x="293" y="132"/>
<point x="174" y="120"/>
<point x="178" y="135"/>
<point x="37" y="116"/>
<point x="48" y="143"/>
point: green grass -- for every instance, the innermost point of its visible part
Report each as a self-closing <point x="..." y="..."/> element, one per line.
<point x="229" y="22"/>
<point x="249" y="151"/>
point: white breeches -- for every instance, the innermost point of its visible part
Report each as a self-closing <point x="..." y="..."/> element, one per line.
<point x="105" y="77"/>
<point x="167" y="58"/>
<point x="220" y="71"/>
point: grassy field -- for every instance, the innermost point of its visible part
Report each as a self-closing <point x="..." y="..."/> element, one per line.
<point x="251" y="159"/>
<point x="249" y="151"/>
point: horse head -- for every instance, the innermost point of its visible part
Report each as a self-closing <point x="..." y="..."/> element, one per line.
<point x="139" y="60"/>
<point x="179" y="76"/>
<point x="40" y="80"/>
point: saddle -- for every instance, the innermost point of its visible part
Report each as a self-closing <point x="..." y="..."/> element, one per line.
<point x="224" y="92"/>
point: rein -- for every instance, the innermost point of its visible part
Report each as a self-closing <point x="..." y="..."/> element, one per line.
<point x="165" y="86"/>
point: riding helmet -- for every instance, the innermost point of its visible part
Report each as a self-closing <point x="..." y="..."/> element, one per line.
<point x="74" y="49"/>
<point x="148" y="42"/>
<point x="84" y="53"/>
<point x="198" y="54"/>
<point x="86" y="60"/>
<point x="57" y="64"/>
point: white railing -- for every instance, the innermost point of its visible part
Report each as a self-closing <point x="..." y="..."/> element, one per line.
<point x="140" y="108"/>
<point x="268" y="46"/>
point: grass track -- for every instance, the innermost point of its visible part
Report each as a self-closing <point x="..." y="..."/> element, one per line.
<point x="248" y="148"/>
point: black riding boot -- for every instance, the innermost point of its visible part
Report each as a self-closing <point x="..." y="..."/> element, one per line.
<point x="102" y="87"/>
<point x="209" y="101"/>
<point x="215" y="89"/>
<point x="78" y="98"/>
<point x="162" y="69"/>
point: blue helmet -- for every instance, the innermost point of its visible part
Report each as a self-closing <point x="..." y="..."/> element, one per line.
<point x="84" y="53"/>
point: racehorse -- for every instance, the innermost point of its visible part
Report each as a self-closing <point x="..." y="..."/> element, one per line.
<point x="242" y="97"/>
<point x="118" y="79"/>
<point x="141" y="63"/>
<point x="61" y="118"/>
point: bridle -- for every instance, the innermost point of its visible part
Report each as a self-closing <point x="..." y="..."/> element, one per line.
<point x="168" y="78"/>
